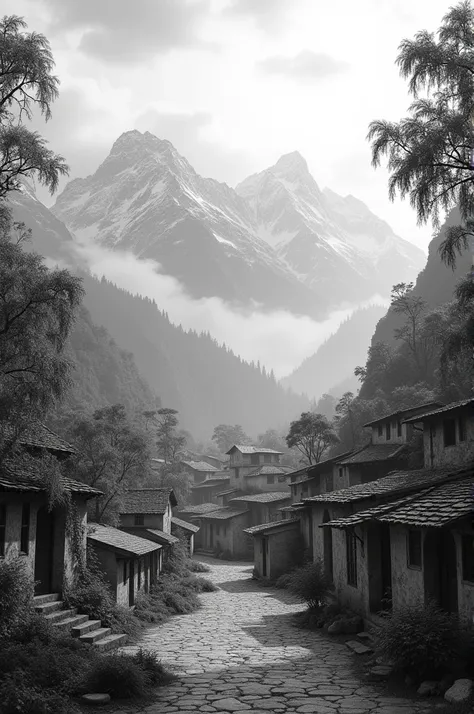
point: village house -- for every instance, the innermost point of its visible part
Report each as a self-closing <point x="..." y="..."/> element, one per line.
<point x="223" y="532"/>
<point x="199" y="470"/>
<point x="188" y="530"/>
<point x="262" y="507"/>
<point x="206" y="492"/>
<point x="193" y="513"/>
<point x="245" y="459"/>
<point x="131" y="564"/>
<point x="275" y="545"/>
<point x="268" y="477"/>
<point x="148" y="513"/>
<point x="28" y="529"/>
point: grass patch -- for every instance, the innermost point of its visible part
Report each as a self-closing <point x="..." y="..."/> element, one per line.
<point x="195" y="566"/>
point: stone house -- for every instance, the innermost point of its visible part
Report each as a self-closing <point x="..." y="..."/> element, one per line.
<point x="267" y="477"/>
<point x="189" y="531"/>
<point x="244" y="459"/>
<point x="223" y="530"/>
<point x="199" y="471"/>
<point x="262" y="507"/>
<point x="147" y="513"/>
<point x="206" y="491"/>
<point x="275" y="545"/>
<point x="131" y="564"/>
<point x="193" y="513"/>
<point x="28" y="529"/>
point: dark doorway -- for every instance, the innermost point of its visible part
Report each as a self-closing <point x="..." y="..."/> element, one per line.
<point x="264" y="556"/>
<point x="131" y="584"/>
<point x="328" y="556"/>
<point x="44" y="551"/>
<point x="211" y="536"/>
<point x="380" y="567"/>
<point x="310" y="534"/>
<point x="439" y="568"/>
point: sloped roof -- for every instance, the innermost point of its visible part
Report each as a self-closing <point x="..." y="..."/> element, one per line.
<point x="268" y="470"/>
<point x="370" y="514"/>
<point x="435" y="508"/>
<point x="396" y="482"/>
<point x="38" y="435"/>
<point x="264" y="527"/>
<point x="184" y="525"/>
<point x="147" y="500"/>
<point x="229" y="491"/>
<point x="223" y="514"/>
<point x="245" y="449"/>
<point x="200" y="466"/>
<point x="153" y="534"/>
<point x="371" y="453"/>
<point x="271" y="497"/>
<point x="418" y="409"/>
<point x="216" y="480"/>
<point x="119" y="540"/>
<point x="442" y="410"/>
<point x="21" y="475"/>
<point x="200" y="508"/>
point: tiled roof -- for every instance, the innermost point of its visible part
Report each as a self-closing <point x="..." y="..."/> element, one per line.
<point x="371" y="514"/>
<point x="323" y="465"/>
<point x="38" y="435"/>
<point x="374" y="452"/>
<point x="395" y="482"/>
<point x="153" y="534"/>
<point x="147" y="500"/>
<point x="211" y="482"/>
<point x="184" y="525"/>
<point x="292" y="508"/>
<point x="229" y="491"/>
<point x="244" y="449"/>
<point x="305" y="480"/>
<point x="120" y="540"/>
<point x="270" y="497"/>
<point x="442" y="410"/>
<point x="199" y="508"/>
<point x="21" y="475"/>
<point x="200" y="466"/>
<point x="269" y="470"/>
<point x="256" y="530"/>
<point x="418" y="409"/>
<point x="223" y="514"/>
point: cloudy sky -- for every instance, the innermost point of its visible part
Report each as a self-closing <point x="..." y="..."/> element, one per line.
<point x="234" y="83"/>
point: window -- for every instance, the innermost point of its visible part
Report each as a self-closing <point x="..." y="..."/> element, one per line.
<point x="237" y="473"/>
<point x="139" y="519"/>
<point x="341" y="472"/>
<point x="267" y="459"/>
<point x="387" y="431"/>
<point x="462" y="429"/>
<point x="271" y="479"/>
<point x="125" y="564"/>
<point x="449" y="432"/>
<point x="254" y="459"/>
<point x="468" y="558"/>
<point x="399" y="428"/>
<point x="329" y="483"/>
<point x="351" y="558"/>
<point x="414" y="549"/>
<point x="3" y="525"/>
<point x="25" y="529"/>
<point x="304" y="491"/>
<point x="282" y="478"/>
<point x="380" y="429"/>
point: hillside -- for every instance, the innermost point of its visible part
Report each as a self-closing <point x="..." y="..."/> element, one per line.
<point x="332" y="366"/>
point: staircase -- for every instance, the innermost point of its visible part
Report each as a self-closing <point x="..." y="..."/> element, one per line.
<point x="81" y="626"/>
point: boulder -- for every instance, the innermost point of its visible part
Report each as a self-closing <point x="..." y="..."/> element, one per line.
<point x="358" y="647"/>
<point x="95" y="699"/>
<point x="427" y="689"/>
<point x="379" y="673"/>
<point x="335" y="628"/>
<point x="459" y="692"/>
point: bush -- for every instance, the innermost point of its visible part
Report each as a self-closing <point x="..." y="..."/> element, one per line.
<point x="420" y="640"/>
<point x="195" y="566"/>
<point x="18" y="695"/>
<point x="310" y="584"/>
<point x="119" y="675"/>
<point x="16" y="594"/>
<point x="156" y="672"/>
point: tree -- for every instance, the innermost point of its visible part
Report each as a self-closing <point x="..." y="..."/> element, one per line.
<point x="420" y="341"/>
<point x="26" y="82"/>
<point x="226" y="436"/>
<point x="312" y="434"/>
<point x="457" y="352"/>
<point x="430" y="153"/>
<point x="344" y="410"/>
<point x="114" y="454"/>
<point x="169" y="442"/>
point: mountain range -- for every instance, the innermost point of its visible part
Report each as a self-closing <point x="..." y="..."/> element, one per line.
<point x="275" y="241"/>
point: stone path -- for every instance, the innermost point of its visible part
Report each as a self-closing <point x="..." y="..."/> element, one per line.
<point x="240" y="653"/>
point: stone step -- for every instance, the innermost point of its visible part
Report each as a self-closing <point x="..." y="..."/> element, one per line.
<point x="45" y="608"/>
<point x="91" y="637"/>
<point x="48" y="597"/>
<point x="60" y="615"/>
<point x="88" y="626"/>
<point x="70" y="622"/>
<point x="358" y="648"/>
<point x="111" y="642"/>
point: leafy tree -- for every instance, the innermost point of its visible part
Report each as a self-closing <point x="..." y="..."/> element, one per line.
<point x="172" y="475"/>
<point x="114" y="454"/>
<point x="456" y="358"/>
<point x="26" y="82"/>
<point x="312" y="434"/>
<point x="271" y="439"/>
<point x="226" y="436"/>
<point x="169" y="442"/>
<point x="326" y="405"/>
<point x="430" y="153"/>
<point x="344" y="410"/>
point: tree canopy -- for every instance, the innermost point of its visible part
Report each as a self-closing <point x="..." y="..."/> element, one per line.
<point x="226" y="436"/>
<point x="312" y="434"/>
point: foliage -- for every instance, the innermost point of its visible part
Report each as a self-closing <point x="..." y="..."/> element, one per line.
<point x="26" y="83"/>
<point x="113" y="455"/>
<point x="170" y="475"/>
<point x="422" y="640"/>
<point x="19" y="695"/>
<point x="310" y="584"/>
<point x="430" y="152"/>
<point x="195" y="566"/>
<point x="16" y="595"/>
<point x="226" y="436"/>
<point x="169" y="443"/>
<point x="119" y="675"/>
<point x="155" y="671"/>
<point x="312" y="434"/>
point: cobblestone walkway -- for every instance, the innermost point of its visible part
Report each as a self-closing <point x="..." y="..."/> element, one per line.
<point x="241" y="653"/>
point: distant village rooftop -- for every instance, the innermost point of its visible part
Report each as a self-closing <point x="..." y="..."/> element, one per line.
<point x="264" y="527"/>
<point x="245" y="449"/>
<point x="271" y="497"/>
<point x="147" y="500"/>
<point x="373" y="452"/>
<point x="442" y="410"/>
<point x="201" y="466"/>
<point x="223" y="514"/>
<point x="402" y="412"/>
<point x="269" y="470"/>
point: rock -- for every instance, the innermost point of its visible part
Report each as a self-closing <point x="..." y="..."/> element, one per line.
<point x="459" y="692"/>
<point x="95" y="699"/>
<point x="358" y="647"/>
<point x="380" y="673"/>
<point x="427" y="689"/>
<point x="335" y="628"/>
<point x="352" y="625"/>
<point x="366" y="636"/>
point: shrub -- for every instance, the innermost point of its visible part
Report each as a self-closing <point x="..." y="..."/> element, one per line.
<point x="310" y="584"/>
<point x="421" y="640"/>
<point x="283" y="581"/>
<point x="156" y="672"/>
<point x="195" y="566"/>
<point x="16" y="594"/>
<point x="18" y="695"/>
<point x="119" y="675"/>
